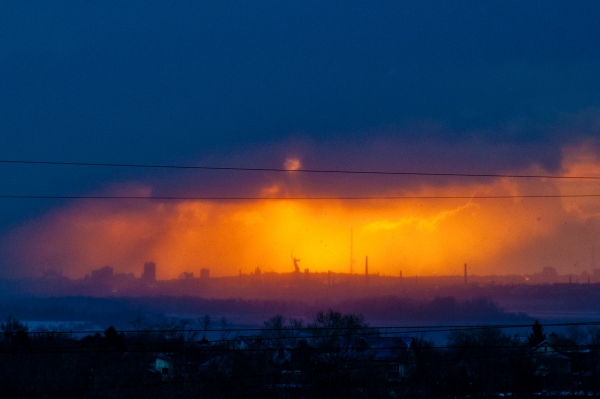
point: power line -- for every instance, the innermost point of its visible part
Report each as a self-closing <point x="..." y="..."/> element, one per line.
<point x="358" y="198"/>
<point x="421" y="328"/>
<point x="191" y="347"/>
<point x="329" y="171"/>
<point x="300" y="333"/>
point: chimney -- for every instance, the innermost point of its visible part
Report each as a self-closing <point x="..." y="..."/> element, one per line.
<point x="367" y="270"/>
<point x="465" y="273"/>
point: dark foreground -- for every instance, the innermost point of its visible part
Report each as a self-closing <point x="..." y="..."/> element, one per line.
<point x="334" y="355"/>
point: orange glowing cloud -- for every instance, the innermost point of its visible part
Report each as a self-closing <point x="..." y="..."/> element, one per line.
<point x="292" y="164"/>
<point x="581" y="160"/>
<point x="417" y="236"/>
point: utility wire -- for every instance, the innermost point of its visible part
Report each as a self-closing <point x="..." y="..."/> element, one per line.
<point x="370" y="331"/>
<point x="413" y="329"/>
<point x="335" y="171"/>
<point x="126" y="348"/>
<point x="330" y="171"/>
<point x="422" y="328"/>
<point x="194" y="198"/>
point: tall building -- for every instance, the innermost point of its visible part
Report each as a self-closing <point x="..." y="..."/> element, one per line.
<point x="149" y="275"/>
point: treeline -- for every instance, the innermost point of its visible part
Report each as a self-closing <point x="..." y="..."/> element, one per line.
<point x="437" y="310"/>
<point x="119" y="311"/>
<point x="334" y="355"/>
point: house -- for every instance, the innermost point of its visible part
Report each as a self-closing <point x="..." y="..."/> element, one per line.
<point x="290" y="380"/>
<point x="249" y="342"/>
<point x="222" y="364"/>
<point x="395" y="353"/>
<point x="548" y="359"/>
<point x="282" y="357"/>
<point x="165" y="366"/>
<point x="391" y="355"/>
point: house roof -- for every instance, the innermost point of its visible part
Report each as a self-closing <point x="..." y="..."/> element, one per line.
<point x="382" y="348"/>
<point x="545" y="349"/>
<point x="254" y="341"/>
<point x="165" y="357"/>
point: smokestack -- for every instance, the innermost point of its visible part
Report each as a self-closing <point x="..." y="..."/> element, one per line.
<point x="465" y="273"/>
<point x="367" y="269"/>
<point x="400" y="275"/>
<point x="351" y="250"/>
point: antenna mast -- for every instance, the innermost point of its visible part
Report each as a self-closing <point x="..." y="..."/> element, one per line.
<point x="351" y="251"/>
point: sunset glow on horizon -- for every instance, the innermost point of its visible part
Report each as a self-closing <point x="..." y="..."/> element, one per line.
<point x="417" y="236"/>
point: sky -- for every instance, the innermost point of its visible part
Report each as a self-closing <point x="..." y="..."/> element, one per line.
<point x="496" y="87"/>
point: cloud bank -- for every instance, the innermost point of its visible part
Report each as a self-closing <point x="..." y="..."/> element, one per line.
<point x="417" y="236"/>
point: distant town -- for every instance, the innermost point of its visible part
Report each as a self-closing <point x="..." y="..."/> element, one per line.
<point x="531" y="293"/>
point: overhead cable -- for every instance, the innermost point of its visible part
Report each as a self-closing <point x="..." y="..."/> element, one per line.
<point x="329" y="171"/>
<point x="327" y="198"/>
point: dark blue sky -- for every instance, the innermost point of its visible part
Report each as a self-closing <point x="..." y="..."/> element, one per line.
<point x="154" y="82"/>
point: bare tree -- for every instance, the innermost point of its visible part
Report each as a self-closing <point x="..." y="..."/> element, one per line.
<point x="206" y="323"/>
<point x="14" y="333"/>
<point x="225" y="328"/>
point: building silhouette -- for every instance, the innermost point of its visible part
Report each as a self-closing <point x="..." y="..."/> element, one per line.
<point x="149" y="275"/>
<point x="103" y="275"/>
